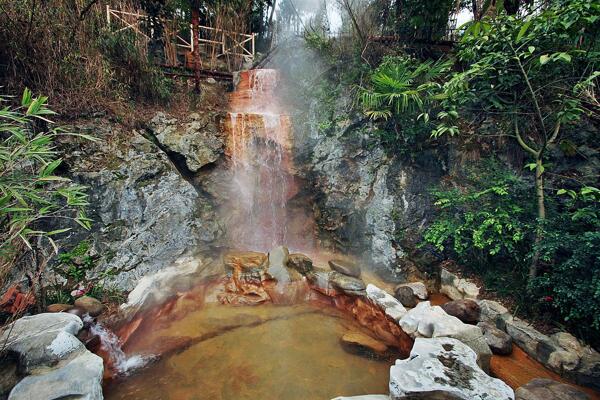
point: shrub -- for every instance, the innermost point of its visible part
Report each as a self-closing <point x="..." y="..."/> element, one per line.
<point x="31" y="195"/>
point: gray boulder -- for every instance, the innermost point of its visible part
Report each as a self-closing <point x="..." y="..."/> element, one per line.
<point x="345" y="267"/>
<point x="494" y="313"/>
<point x="457" y="288"/>
<point x="547" y="389"/>
<point x="56" y="364"/>
<point x="499" y="341"/>
<point x="79" y="379"/>
<point x="300" y="263"/>
<point x="444" y="368"/>
<point x="347" y="284"/>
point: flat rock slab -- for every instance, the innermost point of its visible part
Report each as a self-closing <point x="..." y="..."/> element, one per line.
<point x="345" y="267"/>
<point x="547" y="389"/>
<point x="444" y="368"/>
<point x="347" y="284"/>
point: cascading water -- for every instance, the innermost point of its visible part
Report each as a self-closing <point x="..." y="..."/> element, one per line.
<point x="111" y="346"/>
<point x="260" y="148"/>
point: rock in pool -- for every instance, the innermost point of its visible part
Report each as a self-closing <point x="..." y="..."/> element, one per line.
<point x="418" y="288"/>
<point x="347" y="284"/>
<point x="359" y="343"/>
<point x="300" y="263"/>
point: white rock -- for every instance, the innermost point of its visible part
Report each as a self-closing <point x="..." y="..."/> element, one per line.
<point x="444" y="368"/>
<point x="432" y="321"/>
<point x="392" y="307"/>
<point x="457" y="288"/>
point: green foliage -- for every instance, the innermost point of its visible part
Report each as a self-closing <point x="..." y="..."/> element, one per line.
<point x="402" y="86"/>
<point x="569" y="283"/>
<point x="74" y="264"/>
<point x="530" y="71"/>
<point x="31" y="194"/>
<point x="485" y="221"/>
<point x="134" y="72"/>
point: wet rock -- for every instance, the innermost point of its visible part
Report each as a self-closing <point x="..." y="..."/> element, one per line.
<point x="79" y="378"/>
<point x="347" y="284"/>
<point x="499" y="341"/>
<point x="359" y="343"/>
<point x="345" y="267"/>
<point x="9" y="376"/>
<point x="444" y="368"/>
<point x="278" y="259"/>
<point x="431" y="322"/>
<point x="91" y="305"/>
<point x="300" y="263"/>
<point x="547" y="389"/>
<point x="494" y="313"/>
<point x="457" y="288"/>
<point x="388" y="304"/>
<point x="466" y="310"/>
<point x="530" y="340"/>
<point x="406" y="296"/>
<point x="198" y="139"/>
<point x="53" y="308"/>
<point x="319" y="280"/>
<point x="418" y="288"/>
<point x="588" y="370"/>
<point x="244" y="260"/>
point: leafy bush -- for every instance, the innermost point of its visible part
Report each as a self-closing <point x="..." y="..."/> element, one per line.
<point x="569" y="281"/>
<point x="485" y="222"/>
<point x="31" y="195"/>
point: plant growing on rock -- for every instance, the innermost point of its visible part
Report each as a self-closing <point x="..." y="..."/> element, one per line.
<point x="32" y="196"/>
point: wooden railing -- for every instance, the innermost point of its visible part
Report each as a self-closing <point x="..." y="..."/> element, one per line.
<point x="219" y="49"/>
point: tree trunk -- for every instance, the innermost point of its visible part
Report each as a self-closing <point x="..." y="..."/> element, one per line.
<point x="541" y="206"/>
<point x="196" y="53"/>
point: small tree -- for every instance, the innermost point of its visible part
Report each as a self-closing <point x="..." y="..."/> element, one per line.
<point x="31" y="195"/>
<point x="535" y="74"/>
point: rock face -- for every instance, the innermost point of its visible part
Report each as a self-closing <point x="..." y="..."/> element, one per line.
<point x="345" y="267"/>
<point x="466" y="310"/>
<point x="431" y="322"/>
<point x="547" y="389"/>
<point x="146" y="213"/>
<point x="91" y="305"/>
<point x="499" y="341"/>
<point x="457" y="288"/>
<point x="197" y="139"/>
<point x="444" y="368"/>
<point x="56" y="364"/>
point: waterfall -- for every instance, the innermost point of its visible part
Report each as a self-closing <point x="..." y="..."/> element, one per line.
<point x="263" y="182"/>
